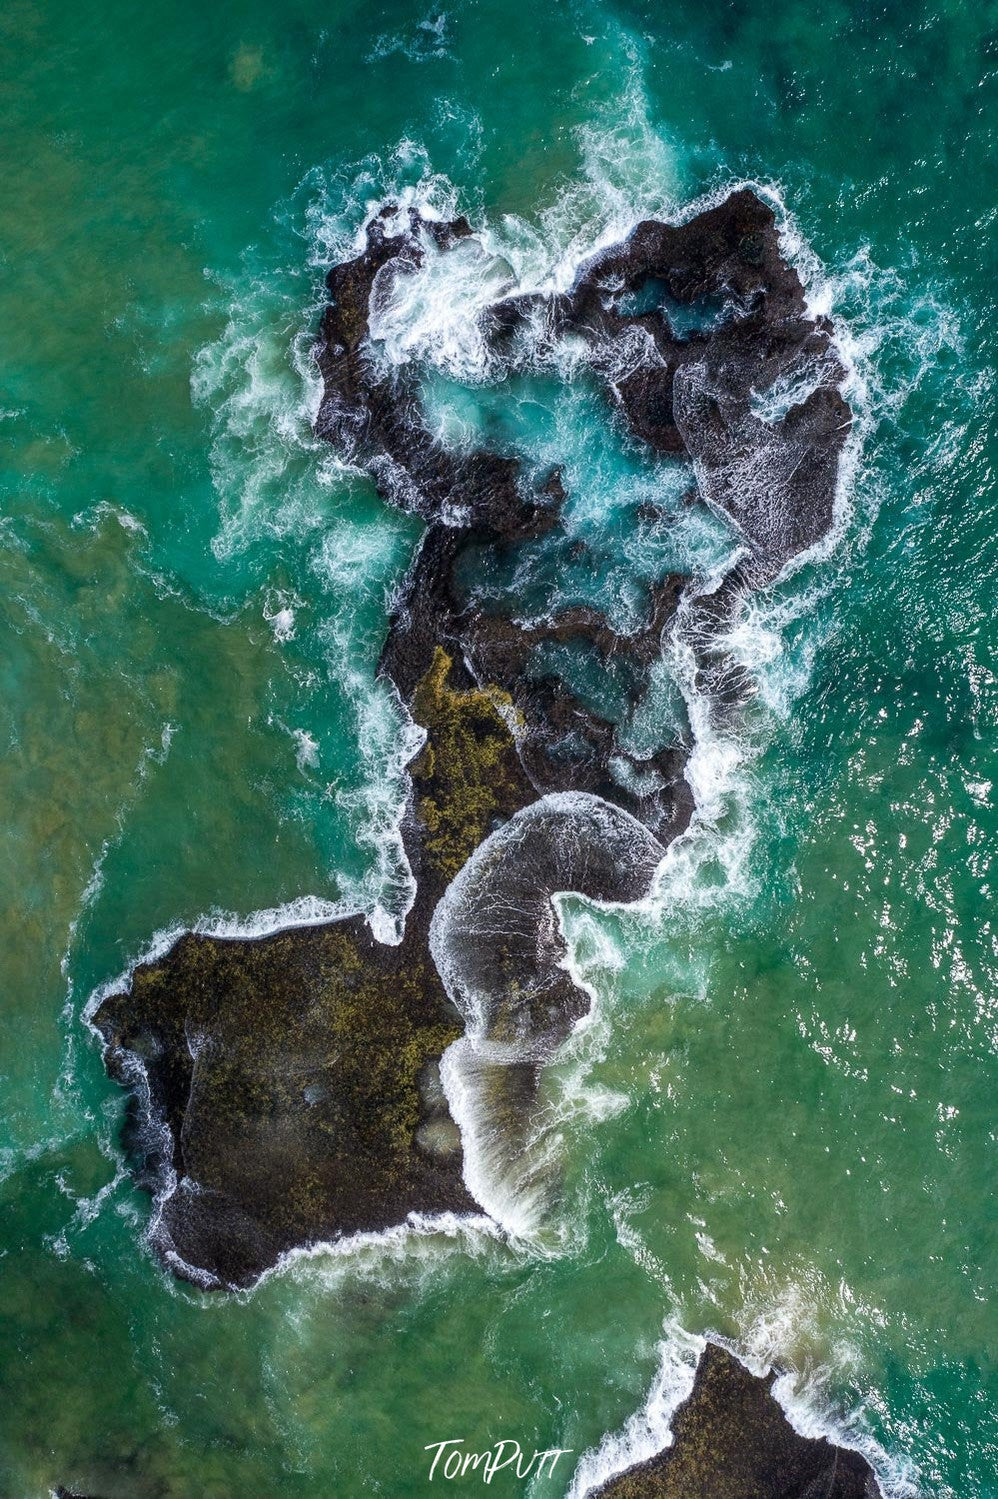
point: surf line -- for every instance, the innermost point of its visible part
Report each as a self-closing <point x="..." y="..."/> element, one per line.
<point x="503" y="1455"/>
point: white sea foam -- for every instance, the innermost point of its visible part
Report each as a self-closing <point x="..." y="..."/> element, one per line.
<point x="277" y="483"/>
<point x="432" y="318"/>
<point x="417" y="1247"/>
<point x="429" y="38"/>
<point x="307" y="752"/>
<point x="649" y="1429"/>
<point x="436" y="320"/>
<point x="279" y="612"/>
<point x="509" y="1177"/>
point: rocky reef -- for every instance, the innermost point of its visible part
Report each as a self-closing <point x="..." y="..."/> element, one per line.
<point x="288" y="1090"/>
<point x="732" y="1440"/>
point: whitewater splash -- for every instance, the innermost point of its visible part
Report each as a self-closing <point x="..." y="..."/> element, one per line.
<point x="498" y="918"/>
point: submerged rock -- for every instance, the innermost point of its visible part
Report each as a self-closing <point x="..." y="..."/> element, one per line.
<point x="732" y="1440"/>
<point x="495" y="937"/>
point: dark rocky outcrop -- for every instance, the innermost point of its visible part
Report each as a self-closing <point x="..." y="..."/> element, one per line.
<point x="285" y="1080"/>
<point x="374" y="417"/>
<point x="731" y="1440"/>
<point x="698" y="328"/>
<point x="287" y="1090"/>
<point x="475" y="501"/>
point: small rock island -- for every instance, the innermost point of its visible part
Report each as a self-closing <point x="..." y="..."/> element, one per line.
<point x="286" y="1091"/>
<point x="731" y="1440"/>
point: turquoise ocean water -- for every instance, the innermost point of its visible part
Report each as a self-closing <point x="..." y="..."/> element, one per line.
<point x="777" y="1126"/>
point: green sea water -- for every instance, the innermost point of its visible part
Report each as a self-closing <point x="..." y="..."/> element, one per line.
<point x="777" y="1128"/>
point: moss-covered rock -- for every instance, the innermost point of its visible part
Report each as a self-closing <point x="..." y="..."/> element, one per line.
<point x="286" y="1100"/>
<point x="468" y="776"/>
<point x="286" y="1089"/>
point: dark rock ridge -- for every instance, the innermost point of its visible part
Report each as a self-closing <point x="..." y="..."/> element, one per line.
<point x="731" y="1440"/>
<point x="375" y="417"/>
<point x="287" y="1090"/>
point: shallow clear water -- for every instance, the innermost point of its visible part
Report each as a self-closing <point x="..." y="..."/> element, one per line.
<point x="777" y="1126"/>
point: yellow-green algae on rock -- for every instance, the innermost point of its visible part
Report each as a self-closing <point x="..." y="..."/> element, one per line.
<point x="468" y="775"/>
<point x="287" y="1072"/>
